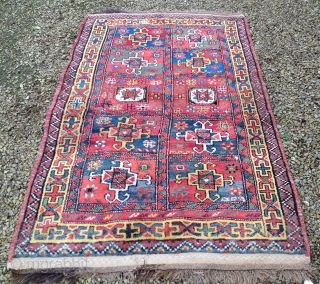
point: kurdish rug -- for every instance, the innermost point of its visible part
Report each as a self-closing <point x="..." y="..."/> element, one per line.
<point x="161" y="159"/>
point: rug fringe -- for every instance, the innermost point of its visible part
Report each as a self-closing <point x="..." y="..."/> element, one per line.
<point x="47" y="278"/>
<point x="188" y="276"/>
<point x="229" y="277"/>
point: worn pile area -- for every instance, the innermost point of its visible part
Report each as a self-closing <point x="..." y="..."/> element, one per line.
<point x="36" y="38"/>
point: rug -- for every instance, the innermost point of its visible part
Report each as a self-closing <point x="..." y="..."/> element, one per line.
<point x="161" y="160"/>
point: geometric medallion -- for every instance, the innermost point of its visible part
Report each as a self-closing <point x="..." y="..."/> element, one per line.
<point x="133" y="94"/>
<point x="119" y="178"/>
<point x="202" y="96"/>
<point x="203" y="136"/>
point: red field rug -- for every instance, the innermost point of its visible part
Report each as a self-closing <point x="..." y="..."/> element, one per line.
<point x="161" y="159"/>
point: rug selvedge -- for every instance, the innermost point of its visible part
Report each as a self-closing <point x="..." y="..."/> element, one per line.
<point x="198" y="129"/>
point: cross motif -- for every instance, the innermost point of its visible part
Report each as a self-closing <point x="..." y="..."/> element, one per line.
<point x="46" y="224"/>
<point x="128" y="231"/>
<point x="274" y="220"/>
<point x="242" y="230"/>
<point x="249" y="108"/>
<point x="267" y="190"/>
<point x="263" y="169"/>
<point x="90" y="233"/>
<point x="167" y="229"/>
<point x="206" y="230"/>
<point x="72" y="121"/>
<point x="76" y="103"/>
<point x="67" y="144"/>
<point x="86" y="68"/>
<point x="54" y="194"/>
<point x="82" y="84"/>
<point x="258" y="146"/>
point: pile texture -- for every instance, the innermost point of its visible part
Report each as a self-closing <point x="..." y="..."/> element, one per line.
<point x="161" y="159"/>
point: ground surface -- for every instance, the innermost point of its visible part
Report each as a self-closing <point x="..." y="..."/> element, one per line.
<point x="36" y="37"/>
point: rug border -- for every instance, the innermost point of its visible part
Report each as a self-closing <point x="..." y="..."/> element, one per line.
<point x="42" y="144"/>
<point x="283" y="154"/>
<point x="49" y="113"/>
